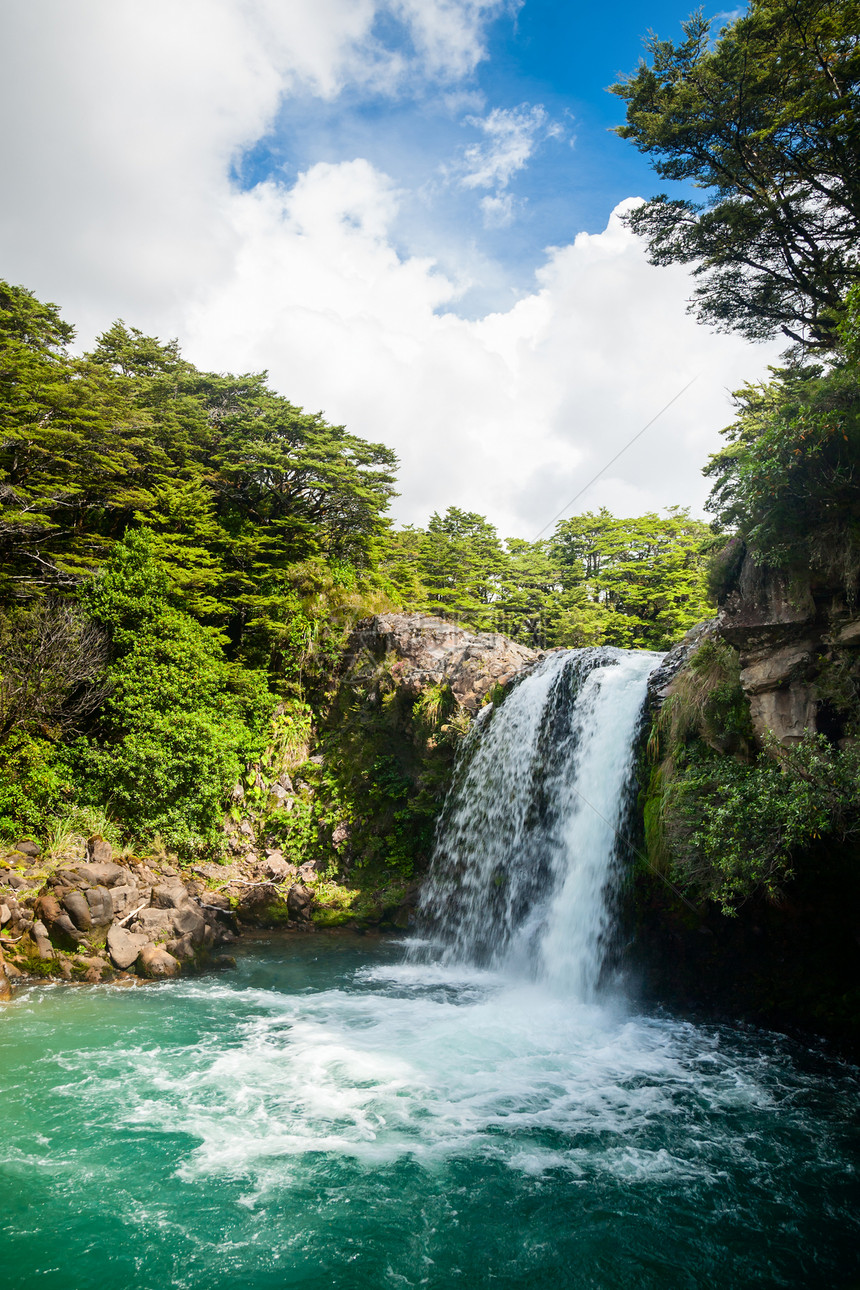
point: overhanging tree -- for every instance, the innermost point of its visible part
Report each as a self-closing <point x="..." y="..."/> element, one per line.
<point x="765" y="121"/>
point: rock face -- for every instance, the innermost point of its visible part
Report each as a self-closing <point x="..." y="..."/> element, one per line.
<point x="787" y="634"/>
<point x="430" y="651"/>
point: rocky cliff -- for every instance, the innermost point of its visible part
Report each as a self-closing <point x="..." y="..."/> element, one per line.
<point x="755" y="723"/>
<point x="794" y="634"/>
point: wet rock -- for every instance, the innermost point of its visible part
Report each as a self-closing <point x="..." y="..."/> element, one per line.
<point x="299" y="902"/>
<point x="156" y="962"/>
<point x="124" y="946"/>
<point x="99" y="850"/>
<point x="95" y="969"/>
<point x="223" y="961"/>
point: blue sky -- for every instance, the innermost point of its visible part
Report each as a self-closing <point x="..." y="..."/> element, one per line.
<point x="406" y="211"/>
<point x="556" y="56"/>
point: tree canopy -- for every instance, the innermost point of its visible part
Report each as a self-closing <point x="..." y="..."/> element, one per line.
<point x="765" y="121"/>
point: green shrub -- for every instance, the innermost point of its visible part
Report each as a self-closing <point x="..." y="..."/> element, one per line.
<point x="735" y="829"/>
<point x="34" y="783"/>
<point x="181" y="720"/>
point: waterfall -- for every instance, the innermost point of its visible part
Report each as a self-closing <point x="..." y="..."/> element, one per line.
<point x="529" y="843"/>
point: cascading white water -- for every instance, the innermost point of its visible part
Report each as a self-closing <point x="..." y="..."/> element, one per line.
<point x="524" y="861"/>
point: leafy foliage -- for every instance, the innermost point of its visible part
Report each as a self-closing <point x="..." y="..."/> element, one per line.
<point x="631" y="582"/>
<point x="738" y="828"/>
<point x="180" y="721"/>
<point x="765" y="121"/>
<point x="788" y="479"/>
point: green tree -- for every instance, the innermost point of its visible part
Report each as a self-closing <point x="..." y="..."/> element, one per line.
<point x="765" y="121"/>
<point x="645" y="576"/>
<point x="181" y="720"/>
<point x="461" y="566"/>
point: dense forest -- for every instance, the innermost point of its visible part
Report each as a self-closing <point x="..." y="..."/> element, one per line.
<point x="184" y="553"/>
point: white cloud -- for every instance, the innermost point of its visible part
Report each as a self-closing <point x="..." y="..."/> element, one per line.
<point x="508" y="415"/>
<point x="123" y="120"/>
<point x="512" y="134"/>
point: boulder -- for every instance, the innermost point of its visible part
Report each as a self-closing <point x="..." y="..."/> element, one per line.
<point x="169" y="895"/>
<point x="124" y="946"/>
<point x="99" y="850"/>
<point x="55" y="922"/>
<point x="299" y="902"/>
<point x="27" y="847"/>
<point x="100" y="905"/>
<point x="5" y="914"/>
<point x="123" y="899"/>
<point x="102" y="874"/>
<point x="432" y="651"/>
<point x="188" y="920"/>
<point x="156" y="962"/>
<point x="153" y="923"/>
<point x="181" y="947"/>
<point x="76" y="906"/>
<point x="277" y="868"/>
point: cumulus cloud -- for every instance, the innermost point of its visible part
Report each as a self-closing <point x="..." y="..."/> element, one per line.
<point x="124" y="121"/>
<point x="509" y="414"/>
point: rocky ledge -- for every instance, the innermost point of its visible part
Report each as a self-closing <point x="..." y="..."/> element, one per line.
<point x="426" y="651"/>
<point x="99" y="916"/>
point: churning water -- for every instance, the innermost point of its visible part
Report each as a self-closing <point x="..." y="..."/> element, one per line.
<point x="340" y="1114"/>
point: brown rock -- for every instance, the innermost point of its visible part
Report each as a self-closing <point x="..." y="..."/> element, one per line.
<point x="76" y="906"/>
<point x="99" y="850"/>
<point x="299" y="902"/>
<point x="155" y="961"/>
<point x="432" y="651"/>
<point x="28" y="847"/>
<point x="124" y="946"/>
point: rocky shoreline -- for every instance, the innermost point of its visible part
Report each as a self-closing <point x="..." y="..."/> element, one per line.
<point x="92" y="915"/>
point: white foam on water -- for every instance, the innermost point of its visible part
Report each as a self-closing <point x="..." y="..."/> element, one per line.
<point x="429" y="1067"/>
